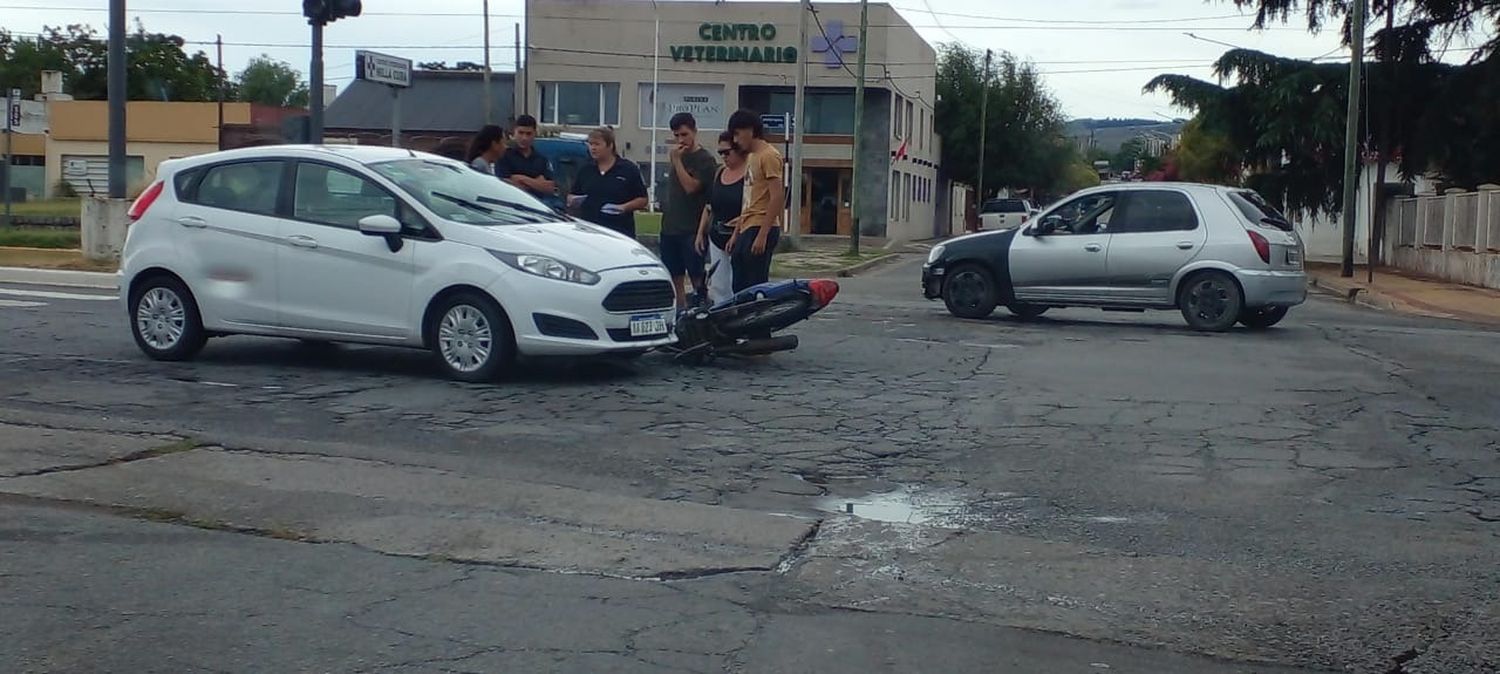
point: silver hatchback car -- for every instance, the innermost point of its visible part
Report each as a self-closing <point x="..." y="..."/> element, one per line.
<point x="1219" y="254"/>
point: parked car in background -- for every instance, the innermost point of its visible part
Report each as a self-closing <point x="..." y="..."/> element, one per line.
<point x="1005" y="214"/>
<point x="380" y="246"/>
<point x="1218" y="254"/>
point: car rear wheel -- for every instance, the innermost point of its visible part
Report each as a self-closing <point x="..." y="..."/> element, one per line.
<point x="1211" y="301"/>
<point x="970" y="292"/>
<point x="1027" y="312"/>
<point x="1261" y="318"/>
<point x="164" y="320"/>
<point x="471" y="338"/>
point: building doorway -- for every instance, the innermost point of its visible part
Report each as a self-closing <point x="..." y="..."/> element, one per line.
<point x="825" y="209"/>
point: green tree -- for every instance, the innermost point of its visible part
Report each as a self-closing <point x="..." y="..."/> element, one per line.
<point x="271" y="82"/>
<point x="1024" y="143"/>
<point x="159" y="68"/>
<point x="1206" y="157"/>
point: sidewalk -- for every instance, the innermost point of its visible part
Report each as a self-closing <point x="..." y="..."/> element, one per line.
<point x="59" y="277"/>
<point x="1394" y="290"/>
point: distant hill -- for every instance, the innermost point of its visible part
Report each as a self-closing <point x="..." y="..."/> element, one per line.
<point x="1110" y="134"/>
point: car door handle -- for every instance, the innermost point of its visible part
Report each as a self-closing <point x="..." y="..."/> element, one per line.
<point x="190" y="221"/>
<point x="301" y="241"/>
<point x="1185" y="245"/>
<point x="1093" y="248"/>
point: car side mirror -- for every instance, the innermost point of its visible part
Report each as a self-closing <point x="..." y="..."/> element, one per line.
<point x="1048" y="225"/>
<point x="379" y="225"/>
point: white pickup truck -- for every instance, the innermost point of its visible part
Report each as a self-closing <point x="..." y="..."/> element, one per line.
<point x="1005" y="214"/>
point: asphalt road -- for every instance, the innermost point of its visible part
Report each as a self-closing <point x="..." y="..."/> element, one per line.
<point x="1086" y="491"/>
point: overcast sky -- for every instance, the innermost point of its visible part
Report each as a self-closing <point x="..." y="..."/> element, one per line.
<point x="1096" y="54"/>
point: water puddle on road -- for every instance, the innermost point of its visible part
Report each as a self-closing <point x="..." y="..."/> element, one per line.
<point x="907" y="505"/>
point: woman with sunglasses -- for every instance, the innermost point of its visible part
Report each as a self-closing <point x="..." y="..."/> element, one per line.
<point x="725" y="196"/>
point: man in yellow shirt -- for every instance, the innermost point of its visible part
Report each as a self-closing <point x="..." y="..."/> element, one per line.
<point x="758" y="229"/>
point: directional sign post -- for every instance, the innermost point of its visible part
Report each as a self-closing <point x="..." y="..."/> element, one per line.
<point x="391" y="71"/>
<point x="12" y="122"/>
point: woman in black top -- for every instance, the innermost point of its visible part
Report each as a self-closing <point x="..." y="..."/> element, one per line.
<point x="725" y="196"/>
<point x="609" y="191"/>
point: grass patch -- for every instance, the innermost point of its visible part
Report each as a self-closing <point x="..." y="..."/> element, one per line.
<point x="51" y="208"/>
<point x="39" y="238"/>
<point x="52" y="259"/>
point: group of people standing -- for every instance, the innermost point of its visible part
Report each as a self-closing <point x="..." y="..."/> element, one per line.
<point x="721" y="222"/>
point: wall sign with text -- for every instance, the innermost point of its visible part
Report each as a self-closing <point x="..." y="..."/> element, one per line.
<point x="704" y="101"/>
<point x="735" y="43"/>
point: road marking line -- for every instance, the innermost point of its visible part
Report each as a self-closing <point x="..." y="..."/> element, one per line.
<point x="58" y="296"/>
<point x="18" y="304"/>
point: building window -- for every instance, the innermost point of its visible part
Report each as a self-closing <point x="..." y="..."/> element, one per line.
<point x="580" y="103"/>
<point x="909" y="118"/>
<point x="906" y="194"/>
<point x="921" y="126"/>
<point x="826" y="112"/>
<point x="896" y="116"/>
<point x="895" y="195"/>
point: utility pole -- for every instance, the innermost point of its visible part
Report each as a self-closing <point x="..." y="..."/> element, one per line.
<point x="655" y="102"/>
<point x="1378" y="200"/>
<point x="219" y="43"/>
<point x="12" y="105"/>
<point x="984" y="121"/>
<point x="315" y="87"/>
<point x="1351" y="135"/>
<point x="489" y="103"/>
<point x="859" y="117"/>
<point x="799" y="106"/>
<point x="116" y="92"/>
<point x="517" y="70"/>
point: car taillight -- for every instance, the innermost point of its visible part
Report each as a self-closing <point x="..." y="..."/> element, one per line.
<point x="823" y="291"/>
<point x="144" y="201"/>
<point x="1262" y="246"/>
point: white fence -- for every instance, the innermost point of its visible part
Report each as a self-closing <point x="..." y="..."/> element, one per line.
<point x="1453" y="236"/>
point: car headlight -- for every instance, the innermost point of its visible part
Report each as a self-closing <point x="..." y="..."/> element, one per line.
<point x="937" y="252"/>
<point x="546" y="267"/>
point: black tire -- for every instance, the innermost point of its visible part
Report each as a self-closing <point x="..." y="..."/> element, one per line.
<point x="166" y="311"/>
<point x="470" y="337"/>
<point x="1027" y="312"/>
<point x="1261" y="318"/>
<point x="769" y="318"/>
<point x="970" y="291"/>
<point x="1210" y="301"/>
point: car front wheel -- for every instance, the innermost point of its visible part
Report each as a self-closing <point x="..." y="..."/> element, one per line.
<point x="970" y="292"/>
<point x="1211" y="301"/>
<point x="471" y="338"/>
<point x="1027" y="312"/>
<point x="1261" y="318"/>
<point x="164" y="320"/>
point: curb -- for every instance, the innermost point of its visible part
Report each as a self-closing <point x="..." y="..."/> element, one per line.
<point x="849" y="272"/>
<point x="59" y="277"/>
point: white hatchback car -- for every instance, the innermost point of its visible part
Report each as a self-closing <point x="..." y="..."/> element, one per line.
<point x="380" y="246"/>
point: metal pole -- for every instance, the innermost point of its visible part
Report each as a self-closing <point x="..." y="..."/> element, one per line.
<point x="1378" y="218"/>
<point x="655" y="102"/>
<point x="315" y="77"/>
<point x="117" y="93"/>
<point x="795" y="128"/>
<point x="859" y="117"/>
<point x="1351" y="135"/>
<point x="517" y="68"/>
<point x="395" y="116"/>
<point x="984" y="119"/>
<point x="489" y="103"/>
<point x="9" y="156"/>
<point x="526" y="70"/>
<point x="219" y="43"/>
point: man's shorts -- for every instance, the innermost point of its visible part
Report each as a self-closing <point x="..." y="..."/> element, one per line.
<point x="680" y="255"/>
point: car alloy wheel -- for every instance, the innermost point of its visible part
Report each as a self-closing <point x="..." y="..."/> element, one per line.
<point x="465" y="338"/>
<point x="1211" y="302"/>
<point x="161" y="318"/>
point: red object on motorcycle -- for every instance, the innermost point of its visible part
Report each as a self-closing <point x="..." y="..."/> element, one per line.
<point x="823" y="291"/>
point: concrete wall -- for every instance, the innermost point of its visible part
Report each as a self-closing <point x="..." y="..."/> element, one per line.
<point x="1453" y="236"/>
<point x="1324" y="236"/>
<point x="151" y="155"/>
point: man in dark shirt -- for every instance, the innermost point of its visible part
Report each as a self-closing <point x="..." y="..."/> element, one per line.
<point x="524" y="167"/>
<point x="687" y="193"/>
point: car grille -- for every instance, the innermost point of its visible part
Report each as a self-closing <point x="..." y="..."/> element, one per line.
<point x="557" y="326"/>
<point x="640" y="296"/>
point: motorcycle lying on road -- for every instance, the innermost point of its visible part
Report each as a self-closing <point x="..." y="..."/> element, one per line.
<point x="743" y="324"/>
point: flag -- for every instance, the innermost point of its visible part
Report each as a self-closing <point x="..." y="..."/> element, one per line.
<point x="901" y="151"/>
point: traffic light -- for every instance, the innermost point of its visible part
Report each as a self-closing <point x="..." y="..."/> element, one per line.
<point x="324" y="12"/>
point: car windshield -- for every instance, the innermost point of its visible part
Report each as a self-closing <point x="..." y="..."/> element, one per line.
<point x="458" y="193"/>
<point x="1256" y="209"/>
<point x="1005" y="206"/>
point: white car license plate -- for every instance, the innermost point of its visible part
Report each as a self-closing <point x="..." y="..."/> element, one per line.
<point x="647" y="326"/>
